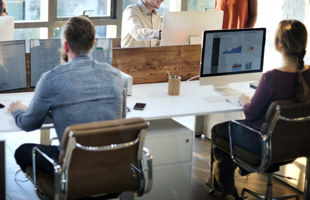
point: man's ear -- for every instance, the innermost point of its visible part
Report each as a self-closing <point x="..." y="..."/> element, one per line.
<point x="66" y="46"/>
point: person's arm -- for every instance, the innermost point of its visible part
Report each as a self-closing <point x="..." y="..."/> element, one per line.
<point x="134" y="26"/>
<point x="5" y="8"/>
<point x="32" y="118"/>
<point x="260" y="100"/>
<point x="252" y="13"/>
<point x="215" y="3"/>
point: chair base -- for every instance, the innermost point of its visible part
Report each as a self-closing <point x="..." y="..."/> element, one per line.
<point x="259" y="196"/>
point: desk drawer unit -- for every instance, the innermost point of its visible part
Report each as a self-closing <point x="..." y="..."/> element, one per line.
<point x="171" y="145"/>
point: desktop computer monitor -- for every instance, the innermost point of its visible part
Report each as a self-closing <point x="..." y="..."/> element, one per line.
<point x="7" y="28"/>
<point x="186" y="27"/>
<point x="13" y="74"/>
<point x="45" y="55"/>
<point x="230" y="56"/>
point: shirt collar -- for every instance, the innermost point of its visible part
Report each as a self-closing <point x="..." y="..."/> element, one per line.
<point x="144" y="9"/>
<point x="83" y="55"/>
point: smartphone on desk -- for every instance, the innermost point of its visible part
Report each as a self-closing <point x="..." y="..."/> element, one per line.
<point x="139" y="106"/>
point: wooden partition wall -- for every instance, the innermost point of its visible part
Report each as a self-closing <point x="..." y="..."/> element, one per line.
<point x="150" y="64"/>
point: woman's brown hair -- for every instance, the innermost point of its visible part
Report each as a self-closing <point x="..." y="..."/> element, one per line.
<point x="292" y="34"/>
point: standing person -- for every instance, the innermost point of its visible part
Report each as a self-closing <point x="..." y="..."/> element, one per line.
<point x="3" y="8"/>
<point x="79" y="91"/>
<point x="141" y="24"/>
<point x="289" y="81"/>
<point x="237" y="13"/>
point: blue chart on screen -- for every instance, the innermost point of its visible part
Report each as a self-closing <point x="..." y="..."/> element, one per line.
<point x="234" y="50"/>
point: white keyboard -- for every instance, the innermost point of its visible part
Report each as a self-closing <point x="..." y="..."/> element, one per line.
<point x="234" y="100"/>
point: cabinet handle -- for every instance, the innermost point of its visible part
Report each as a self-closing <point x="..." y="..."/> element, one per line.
<point x="187" y="140"/>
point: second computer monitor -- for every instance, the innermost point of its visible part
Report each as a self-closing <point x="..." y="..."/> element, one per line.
<point x="186" y="27"/>
<point x="45" y="55"/>
<point x="12" y="65"/>
<point x="230" y="56"/>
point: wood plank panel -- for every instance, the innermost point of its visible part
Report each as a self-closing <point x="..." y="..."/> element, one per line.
<point x="150" y="64"/>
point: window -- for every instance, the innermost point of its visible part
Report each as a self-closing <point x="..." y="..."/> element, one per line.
<point x="23" y="10"/>
<point x="45" y="18"/>
<point x="200" y="5"/>
<point x="93" y="8"/>
<point x="163" y="8"/>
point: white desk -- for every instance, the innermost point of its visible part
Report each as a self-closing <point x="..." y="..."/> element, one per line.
<point x="170" y="142"/>
<point x="193" y="100"/>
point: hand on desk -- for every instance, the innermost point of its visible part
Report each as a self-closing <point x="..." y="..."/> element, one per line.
<point x="244" y="99"/>
<point x="16" y="106"/>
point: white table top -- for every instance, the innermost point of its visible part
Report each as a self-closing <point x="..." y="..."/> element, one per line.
<point x="193" y="100"/>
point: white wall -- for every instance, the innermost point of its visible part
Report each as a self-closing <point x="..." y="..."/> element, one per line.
<point x="270" y="13"/>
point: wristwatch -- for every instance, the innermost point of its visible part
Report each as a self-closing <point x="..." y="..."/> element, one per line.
<point x="4" y="10"/>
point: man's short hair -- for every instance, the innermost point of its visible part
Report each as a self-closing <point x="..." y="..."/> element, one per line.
<point x="79" y="32"/>
<point x="1" y="7"/>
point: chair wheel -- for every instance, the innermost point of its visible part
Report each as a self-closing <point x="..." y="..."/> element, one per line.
<point x="211" y="191"/>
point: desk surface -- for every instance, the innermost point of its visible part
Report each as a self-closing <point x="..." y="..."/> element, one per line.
<point x="193" y="100"/>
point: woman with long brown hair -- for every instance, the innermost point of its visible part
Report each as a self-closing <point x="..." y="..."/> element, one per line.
<point x="289" y="81"/>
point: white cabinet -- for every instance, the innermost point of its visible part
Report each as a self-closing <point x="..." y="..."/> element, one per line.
<point x="296" y="170"/>
<point x="171" y="145"/>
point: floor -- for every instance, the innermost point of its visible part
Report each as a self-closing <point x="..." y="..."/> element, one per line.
<point x="21" y="189"/>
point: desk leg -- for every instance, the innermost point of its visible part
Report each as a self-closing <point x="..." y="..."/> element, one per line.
<point x="199" y="120"/>
<point x="307" y="178"/>
<point x="45" y="136"/>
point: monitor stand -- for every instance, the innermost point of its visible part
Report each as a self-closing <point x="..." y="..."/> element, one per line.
<point x="226" y="90"/>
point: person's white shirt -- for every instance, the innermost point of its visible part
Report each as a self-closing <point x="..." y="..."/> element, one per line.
<point x="140" y="28"/>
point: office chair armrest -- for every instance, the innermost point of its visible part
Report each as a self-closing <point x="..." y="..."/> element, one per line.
<point x="37" y="150"/>
<point x="236" y="160"/>
<point x="148" y="169"/>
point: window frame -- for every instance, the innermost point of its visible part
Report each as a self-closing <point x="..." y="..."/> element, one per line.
<point x="115" y="18"/>
<point x="54" y="22"/>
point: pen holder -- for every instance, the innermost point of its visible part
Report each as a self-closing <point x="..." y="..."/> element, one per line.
<point x="174" y="83"/>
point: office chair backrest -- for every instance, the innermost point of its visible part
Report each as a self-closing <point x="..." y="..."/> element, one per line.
<point x="103" y="157"/>
<point x="288" y="125"/>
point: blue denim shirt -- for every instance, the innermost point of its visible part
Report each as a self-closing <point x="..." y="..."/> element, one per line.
<point x="79" y="91"/>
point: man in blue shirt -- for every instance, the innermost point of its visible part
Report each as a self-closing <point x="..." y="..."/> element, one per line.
<point x="80" y="90"/>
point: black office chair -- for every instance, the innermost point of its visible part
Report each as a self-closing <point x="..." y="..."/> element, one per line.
<point x="97" y="159"/>
<point x="285" y="136"/>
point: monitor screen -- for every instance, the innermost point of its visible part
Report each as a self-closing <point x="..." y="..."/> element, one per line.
<point x="229" y="56"/>
<point x="13" y="74"/>
<point x="7" y="28"/>
<point x="45" y="55"/>
<point x="186" y="27"/>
